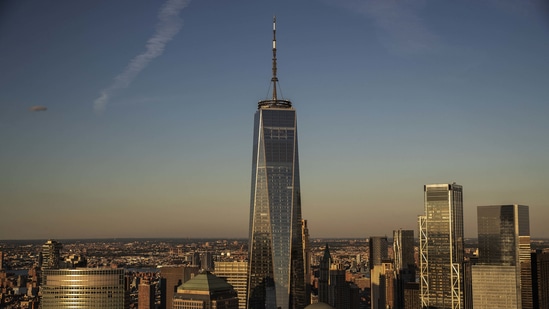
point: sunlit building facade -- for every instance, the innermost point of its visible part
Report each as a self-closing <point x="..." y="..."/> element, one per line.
<point x="236" y="274"/>
<point x="83" y="288"/>
<point x="441" y="247"/>
<point x="276" y="276"/>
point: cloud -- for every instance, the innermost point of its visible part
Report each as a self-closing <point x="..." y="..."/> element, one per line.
<point x="400" y="27"/>
<point x="169" y="24"/>
<point x="38" y="108"/>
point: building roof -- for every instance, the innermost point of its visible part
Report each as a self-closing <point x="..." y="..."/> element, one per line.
<point x="205" y="281"/>
<point x="319" y="305"/>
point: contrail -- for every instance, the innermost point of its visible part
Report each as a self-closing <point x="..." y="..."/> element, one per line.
<point x="169" y="24"/>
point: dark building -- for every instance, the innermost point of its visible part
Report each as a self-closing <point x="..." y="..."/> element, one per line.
<point x="502" y="276"/>
<point x="205" y="291"/>
<point x="411" y="296"/>
<point x="378" y="247"/>
<point x="404" y="263"/>
<point x="540" y="279"/>
<point x="276" y="270"/>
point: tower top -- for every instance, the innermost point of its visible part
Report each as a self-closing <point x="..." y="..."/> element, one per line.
<point x="274" y="101"/>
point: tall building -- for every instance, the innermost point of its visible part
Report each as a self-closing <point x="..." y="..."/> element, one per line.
<point x="378" y="248"/>
<point x="205" y="291"/>
<point x="441" y="247"/>
<point x="276" y="270"/>
<point x="86" y="288"/>
<point x="502" y="275"/>
<point x="540" y="279"/>
<point x="146" y="295"/>
<point x="404" y="263"/>
<point x="51" y="256"/>
<point x="236" y="274"/>
<point x="173" y="277"/>
<point x="324" y="277"/>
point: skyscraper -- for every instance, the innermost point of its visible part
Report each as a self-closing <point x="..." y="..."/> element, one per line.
<point x="146" y="297"/>
<point x="97" y="288"/>
<point x="276" y="272"/>
<point x="441" y="247"/>
<point x="502" y="276"/>
<point x="404" y="263"/>
<point x="236" y="274"/>
<point x="51" y="256"/>
<point x="378" y="248"/>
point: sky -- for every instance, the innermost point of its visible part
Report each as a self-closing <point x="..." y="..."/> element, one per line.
<point x="134" y="118"/>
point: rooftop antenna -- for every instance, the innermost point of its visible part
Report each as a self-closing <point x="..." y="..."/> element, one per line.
<point x="274" y="79"/>
<point x="274" y="102"/>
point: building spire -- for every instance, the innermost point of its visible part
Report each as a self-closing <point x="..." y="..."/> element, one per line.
<point x="274" y="79"/>
<point x="274" y="102"/>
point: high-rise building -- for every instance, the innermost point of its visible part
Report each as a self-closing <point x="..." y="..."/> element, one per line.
<point x="51" y="256"/>
<point x="205" y="291"/>
<point x="236" y="274"/>
<point x="276" y="270"/>
<point x="324" y="277"/>
<point x="441" y="247"/>
<point x="540" y="279"/>
<point x="404" y="262"/>
<point x="502" y="275"/>
<point x="97" y="288"/>
<point x="378" y="248"/>
<point x="146" y="295"/>
<point x="1" y="260"/>
<point x="174" y="276"/>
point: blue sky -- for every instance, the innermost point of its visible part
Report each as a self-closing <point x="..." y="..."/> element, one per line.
<point x="149" y="120"/>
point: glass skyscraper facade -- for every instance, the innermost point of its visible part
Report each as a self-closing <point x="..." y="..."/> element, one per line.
<point x="276" y="277"/>
<point x="86" y="288"/>
<point x="441" y="247"/>
<point x="504" y="243"/>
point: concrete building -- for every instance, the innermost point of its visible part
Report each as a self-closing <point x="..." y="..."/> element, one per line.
<point x="205" y="291"/>
<point x="236" y="274"/>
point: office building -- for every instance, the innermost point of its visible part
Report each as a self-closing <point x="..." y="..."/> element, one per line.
<point x="173" y="277"/>
<point x="411" y="296"/>
<point x="441" y="247"/>
<point x="502" y="275"/>
<point x="205" y="291"/>
<point x="236" y="274"/>
<point x="404" y="262"/>
<point x="86" y="288"/>
<point x="378" y="248"/>
<point x="540" y="279"/>
<point x="146" y="295"/>
<point x="50" y="255"/>
<point x="276" y="270"/>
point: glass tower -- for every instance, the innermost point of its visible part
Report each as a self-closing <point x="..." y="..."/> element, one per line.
<point x="441" y="247"/>
<point x="276" y="277"/>
<point x="504" y="244"/>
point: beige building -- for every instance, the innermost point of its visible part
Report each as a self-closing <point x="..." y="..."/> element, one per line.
<point x="205" y="291"/>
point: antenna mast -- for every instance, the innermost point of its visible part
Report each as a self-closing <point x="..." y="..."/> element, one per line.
<point x="274" y="79"/>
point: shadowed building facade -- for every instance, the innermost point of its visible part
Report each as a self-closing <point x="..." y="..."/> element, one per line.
<point x="276" y="277"/>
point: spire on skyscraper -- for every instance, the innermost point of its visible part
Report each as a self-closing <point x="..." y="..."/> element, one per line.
<point x="274" y="101"/>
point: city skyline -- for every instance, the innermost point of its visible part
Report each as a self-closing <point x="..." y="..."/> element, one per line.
<point x="139" y="126"/>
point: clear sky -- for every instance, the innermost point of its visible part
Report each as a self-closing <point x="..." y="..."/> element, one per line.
<point x="134" y="118"/>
